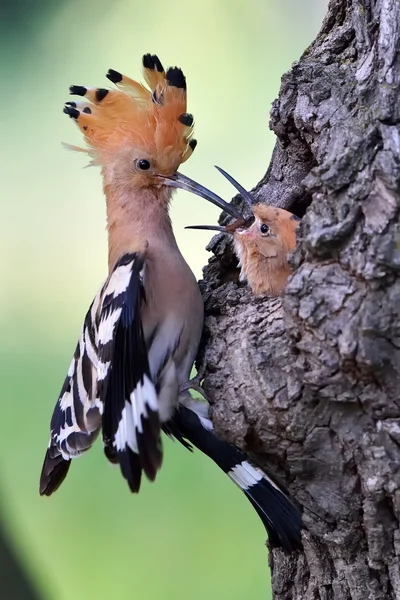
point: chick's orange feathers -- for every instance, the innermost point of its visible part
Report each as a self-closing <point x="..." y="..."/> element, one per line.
<point x="262" y="243"/>
<point x="262" y="248"/>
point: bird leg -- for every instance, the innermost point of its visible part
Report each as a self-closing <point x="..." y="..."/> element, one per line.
<point x="194" y="384"/>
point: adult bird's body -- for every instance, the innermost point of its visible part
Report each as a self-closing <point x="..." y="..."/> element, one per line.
<point x="129" y="375"/>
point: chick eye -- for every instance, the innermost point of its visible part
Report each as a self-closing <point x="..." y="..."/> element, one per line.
<point x="264" y="229"/>
<point x="143" y="164"/>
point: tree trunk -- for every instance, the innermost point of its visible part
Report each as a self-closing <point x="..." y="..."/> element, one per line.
<point x="310" y="383"/>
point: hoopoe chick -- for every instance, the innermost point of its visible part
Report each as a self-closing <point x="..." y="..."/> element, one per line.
<point x="129" y="377"/>
<point x="262" y="248"/>
<point x="262" y="244"/>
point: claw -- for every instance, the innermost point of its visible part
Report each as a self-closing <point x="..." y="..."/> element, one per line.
<point x="195" y="385"/>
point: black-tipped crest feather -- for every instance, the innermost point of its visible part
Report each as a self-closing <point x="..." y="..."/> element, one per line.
<point x="176" y="78"/>
<point x="114" y="76"/>
<point x="186" y="119"/>
<point x="101" y="93"/>
<point x="77" y="90"/>
<point x="71" y="111"/>
<point x="152" y="62"/>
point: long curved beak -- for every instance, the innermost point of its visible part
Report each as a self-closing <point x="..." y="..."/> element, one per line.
<point x="238" y="225"/>
<point x="182" y="181"/>
<point x="247" y="197"/>
<point x="209" y="227"/>
<point x="240" y="222"/>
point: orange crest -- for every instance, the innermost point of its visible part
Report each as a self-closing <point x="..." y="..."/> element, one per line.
<point x="152" y="121"/>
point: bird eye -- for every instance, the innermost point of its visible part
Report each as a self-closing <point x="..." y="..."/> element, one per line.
<point x="264" y="229"/>
<point x="143" y="164"/>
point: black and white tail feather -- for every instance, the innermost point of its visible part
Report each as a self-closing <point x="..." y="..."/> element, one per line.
<point x="109" y="386"/>
<point x="280" y="516"/>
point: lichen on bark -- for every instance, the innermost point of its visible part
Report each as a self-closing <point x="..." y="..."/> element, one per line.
<point x="310" y="382"/>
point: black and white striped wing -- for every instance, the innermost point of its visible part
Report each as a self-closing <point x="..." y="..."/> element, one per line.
<point x="131" y="425"/>
<point x="109" y="385"/>
<point x="76" y="419"/>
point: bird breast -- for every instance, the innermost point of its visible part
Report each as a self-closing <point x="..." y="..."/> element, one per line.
<point x="172" y="315"/>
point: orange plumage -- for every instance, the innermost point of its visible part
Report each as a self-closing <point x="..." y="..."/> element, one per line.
<point x="152" y="122"/>
<point x="263" y="247"/>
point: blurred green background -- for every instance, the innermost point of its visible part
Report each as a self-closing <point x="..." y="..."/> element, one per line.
<point x="191" y="534"/>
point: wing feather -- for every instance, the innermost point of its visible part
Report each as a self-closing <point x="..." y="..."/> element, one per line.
<point x="109" y="385"/>
<point x="131" y="425"/>
<point x="76" y="419"/>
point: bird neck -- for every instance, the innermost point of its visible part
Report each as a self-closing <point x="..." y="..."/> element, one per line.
<point x="268" y="278"/>
<point x="134" y="217"/>
<point x="265" y="274"/>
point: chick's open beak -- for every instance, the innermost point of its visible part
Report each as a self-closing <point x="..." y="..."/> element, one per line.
<point x="184" y="182"/>
<point x="237" y="226"/>
<point x="210" y="227"/>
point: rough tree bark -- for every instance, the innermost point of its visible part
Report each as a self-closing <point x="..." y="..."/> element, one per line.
<point x="310" y="383"/>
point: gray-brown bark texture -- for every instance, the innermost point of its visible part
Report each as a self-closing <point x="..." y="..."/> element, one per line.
<point x="310" y="383"/>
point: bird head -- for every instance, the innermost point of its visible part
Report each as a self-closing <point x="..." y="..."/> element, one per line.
<point x="271" y="232"/>
<point x="139" y="135"/>
<point x="262" y="242"/>
<point x="134" y="133"/>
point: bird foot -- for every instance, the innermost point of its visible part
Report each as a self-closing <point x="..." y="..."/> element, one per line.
<point x="194" y="384"/>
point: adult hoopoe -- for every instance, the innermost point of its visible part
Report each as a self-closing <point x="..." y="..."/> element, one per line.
<point x="261" y="242"/>
<point x="129" y="376"/>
